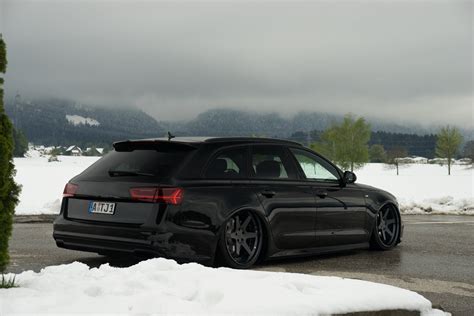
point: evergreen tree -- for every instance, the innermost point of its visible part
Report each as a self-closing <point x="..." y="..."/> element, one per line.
<point x="449" y="139"/>
<point x="346" y="143"/>
<point x="416" y="145"/>
<point x="326" y="145"/>
<point x="377" y="153"/>
<point x="20" y="143"/>
<point x="468" y="151"/>
<point x="8" y="189"/>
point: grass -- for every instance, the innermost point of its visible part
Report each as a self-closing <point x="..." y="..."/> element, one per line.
<point x="7" y="283"/>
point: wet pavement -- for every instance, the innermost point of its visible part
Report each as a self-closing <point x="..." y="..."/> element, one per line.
<point x="435" y="259"/>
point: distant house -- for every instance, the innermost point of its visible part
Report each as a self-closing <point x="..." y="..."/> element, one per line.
<point x="464" y="161"/>
<point x="412" y="159"/>
<point x="417" y="159"/>
<point x="439" y="161"/>
<point x="74" y="151"/>
<point x="92" y="151"/>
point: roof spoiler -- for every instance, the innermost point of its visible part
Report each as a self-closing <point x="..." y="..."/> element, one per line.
<point x="158" y="145"/>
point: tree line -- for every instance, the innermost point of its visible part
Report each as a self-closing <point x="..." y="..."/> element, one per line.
<point x="45" y="122"/>
<point x="348" y="144"/>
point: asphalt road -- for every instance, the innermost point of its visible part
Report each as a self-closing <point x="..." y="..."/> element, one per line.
<point x="435" y="259"/>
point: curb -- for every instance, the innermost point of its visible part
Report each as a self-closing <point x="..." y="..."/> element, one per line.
<point x="394" y="312"/>
<point x="25" y="219"/>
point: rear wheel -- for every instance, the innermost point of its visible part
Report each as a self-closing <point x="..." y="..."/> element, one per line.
<point x="240" y="243"/>
<point x="387" y="228"/>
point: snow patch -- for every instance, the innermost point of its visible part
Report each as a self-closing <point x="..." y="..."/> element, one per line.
<point x="80" y="120"/>
<point x="424" y="188"/>
<point x="442" y="206"/>
<point x="43" y="182"/>
<point x="160" y="286"/>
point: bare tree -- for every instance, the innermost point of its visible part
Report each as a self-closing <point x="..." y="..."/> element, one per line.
<point x="394" y="156"/>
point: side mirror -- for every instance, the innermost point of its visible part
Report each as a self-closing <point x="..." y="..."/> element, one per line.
<point x="349" y="177"/>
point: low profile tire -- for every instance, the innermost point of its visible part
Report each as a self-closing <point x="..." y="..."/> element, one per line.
<point x="241" y="241"/>
<point x="386" y="229"/>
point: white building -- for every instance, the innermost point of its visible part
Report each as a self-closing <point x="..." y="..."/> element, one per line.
<point x="74" y="150"/>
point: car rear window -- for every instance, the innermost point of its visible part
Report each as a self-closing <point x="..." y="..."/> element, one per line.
<point x="136" y="163"/>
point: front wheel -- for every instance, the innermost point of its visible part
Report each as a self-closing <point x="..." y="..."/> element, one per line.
<point x="240" y="243"/>
<point x="387" y="228"/>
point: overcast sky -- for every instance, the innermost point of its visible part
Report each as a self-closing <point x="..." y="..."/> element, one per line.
<point x="406" y="61"/>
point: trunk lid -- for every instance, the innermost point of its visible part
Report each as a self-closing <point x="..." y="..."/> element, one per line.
<point x="108" y="183"/>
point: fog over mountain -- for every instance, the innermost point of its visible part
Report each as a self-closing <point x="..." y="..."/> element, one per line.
<point x="402" y="62"/>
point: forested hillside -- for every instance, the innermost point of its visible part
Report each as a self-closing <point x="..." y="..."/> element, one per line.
<point x="58" y="122"/>
<point x="226" y="122"/>
<point x="415" y="145"/>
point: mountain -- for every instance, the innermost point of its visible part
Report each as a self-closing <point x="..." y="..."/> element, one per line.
<point x="223" y="122"/>
<point x="59" y="122"/>
<point x="231" y="122"/>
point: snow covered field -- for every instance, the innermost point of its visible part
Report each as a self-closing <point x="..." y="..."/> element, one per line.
<point x="43" y="182"/>
<point x="425" y="188"/>
<point x="420" y="188"/>
<point x="160" y="286"/>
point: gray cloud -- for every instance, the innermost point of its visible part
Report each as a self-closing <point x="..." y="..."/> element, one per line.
<point x="405" y="61"/>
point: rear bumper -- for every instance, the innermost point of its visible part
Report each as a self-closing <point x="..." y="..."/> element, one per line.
<point x="166" y="240"/>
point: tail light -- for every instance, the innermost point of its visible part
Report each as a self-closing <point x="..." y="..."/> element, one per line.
<point x="172" y="196"/>
<point x="70" y="190"/>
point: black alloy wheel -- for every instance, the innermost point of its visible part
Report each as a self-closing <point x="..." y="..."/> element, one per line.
<point x="241" y="241"/>
<point x="387" y="228"/>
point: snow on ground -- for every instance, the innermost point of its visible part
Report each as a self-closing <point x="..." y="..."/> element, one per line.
<point x="425" y="188"/>
<point x="43" y="182"/>
<point x="420" y="188"/>
<point x="160" y="286"/>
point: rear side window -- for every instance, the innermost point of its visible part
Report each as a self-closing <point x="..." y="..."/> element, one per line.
<point x="271" y="162"/>
<point x="228" y="164"/>
<point x="137" y="163"/>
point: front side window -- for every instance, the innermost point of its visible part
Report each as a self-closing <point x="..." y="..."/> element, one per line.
<point x="228" y="164"/>
<point x="271" y="162"/>
<point x="314" y="167"/>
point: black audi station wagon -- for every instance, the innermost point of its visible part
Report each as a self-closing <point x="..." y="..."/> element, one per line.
<point x="227" y="200"/>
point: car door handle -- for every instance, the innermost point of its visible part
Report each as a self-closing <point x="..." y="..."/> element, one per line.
<point x="322" y="194"/>
<point x="268" y="193"/>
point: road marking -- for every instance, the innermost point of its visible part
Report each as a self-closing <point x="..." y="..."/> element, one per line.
<point x="422" y="223"/>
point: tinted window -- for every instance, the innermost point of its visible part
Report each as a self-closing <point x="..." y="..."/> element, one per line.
<point x="137" y="163"/>
<point x="227" y="164"/>
<point x="314" y="167"/>
<point x="271" y="162"/>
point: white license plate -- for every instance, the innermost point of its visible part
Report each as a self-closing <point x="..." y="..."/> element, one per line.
<point x="101" y="208"/>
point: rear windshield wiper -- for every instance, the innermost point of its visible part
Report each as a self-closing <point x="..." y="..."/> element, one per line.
<point x="123" y="173"/>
